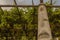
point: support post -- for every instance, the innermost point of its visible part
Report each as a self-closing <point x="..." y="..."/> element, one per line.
<point x="44" y="31"/>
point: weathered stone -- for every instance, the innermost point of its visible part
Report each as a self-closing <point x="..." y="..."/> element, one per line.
<point x="44" y="31"/>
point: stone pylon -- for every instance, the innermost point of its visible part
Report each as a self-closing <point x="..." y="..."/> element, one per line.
<point x="44" y="31"/>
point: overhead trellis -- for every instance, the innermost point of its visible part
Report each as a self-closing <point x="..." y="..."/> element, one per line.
<point x="41" y="1"/>
<point x="24" y="24"/>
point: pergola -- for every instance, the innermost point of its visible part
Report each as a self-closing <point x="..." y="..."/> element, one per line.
<point x="41" y="1"/>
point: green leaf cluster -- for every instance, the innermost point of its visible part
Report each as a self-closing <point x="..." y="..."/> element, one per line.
<point x="54" y="19"/>
<point x="18" y="24"/>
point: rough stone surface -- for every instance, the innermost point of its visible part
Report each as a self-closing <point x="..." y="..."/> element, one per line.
<point x="44" y="31"/>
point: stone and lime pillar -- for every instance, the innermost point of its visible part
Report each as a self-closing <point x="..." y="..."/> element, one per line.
<point x="44" y="31"/>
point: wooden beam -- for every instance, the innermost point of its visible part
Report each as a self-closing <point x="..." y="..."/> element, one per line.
<point x="27" y="6"/>
<point x="51" y="2"/>
<point x="53" y="6"/>
<point x="19" y="5"/>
